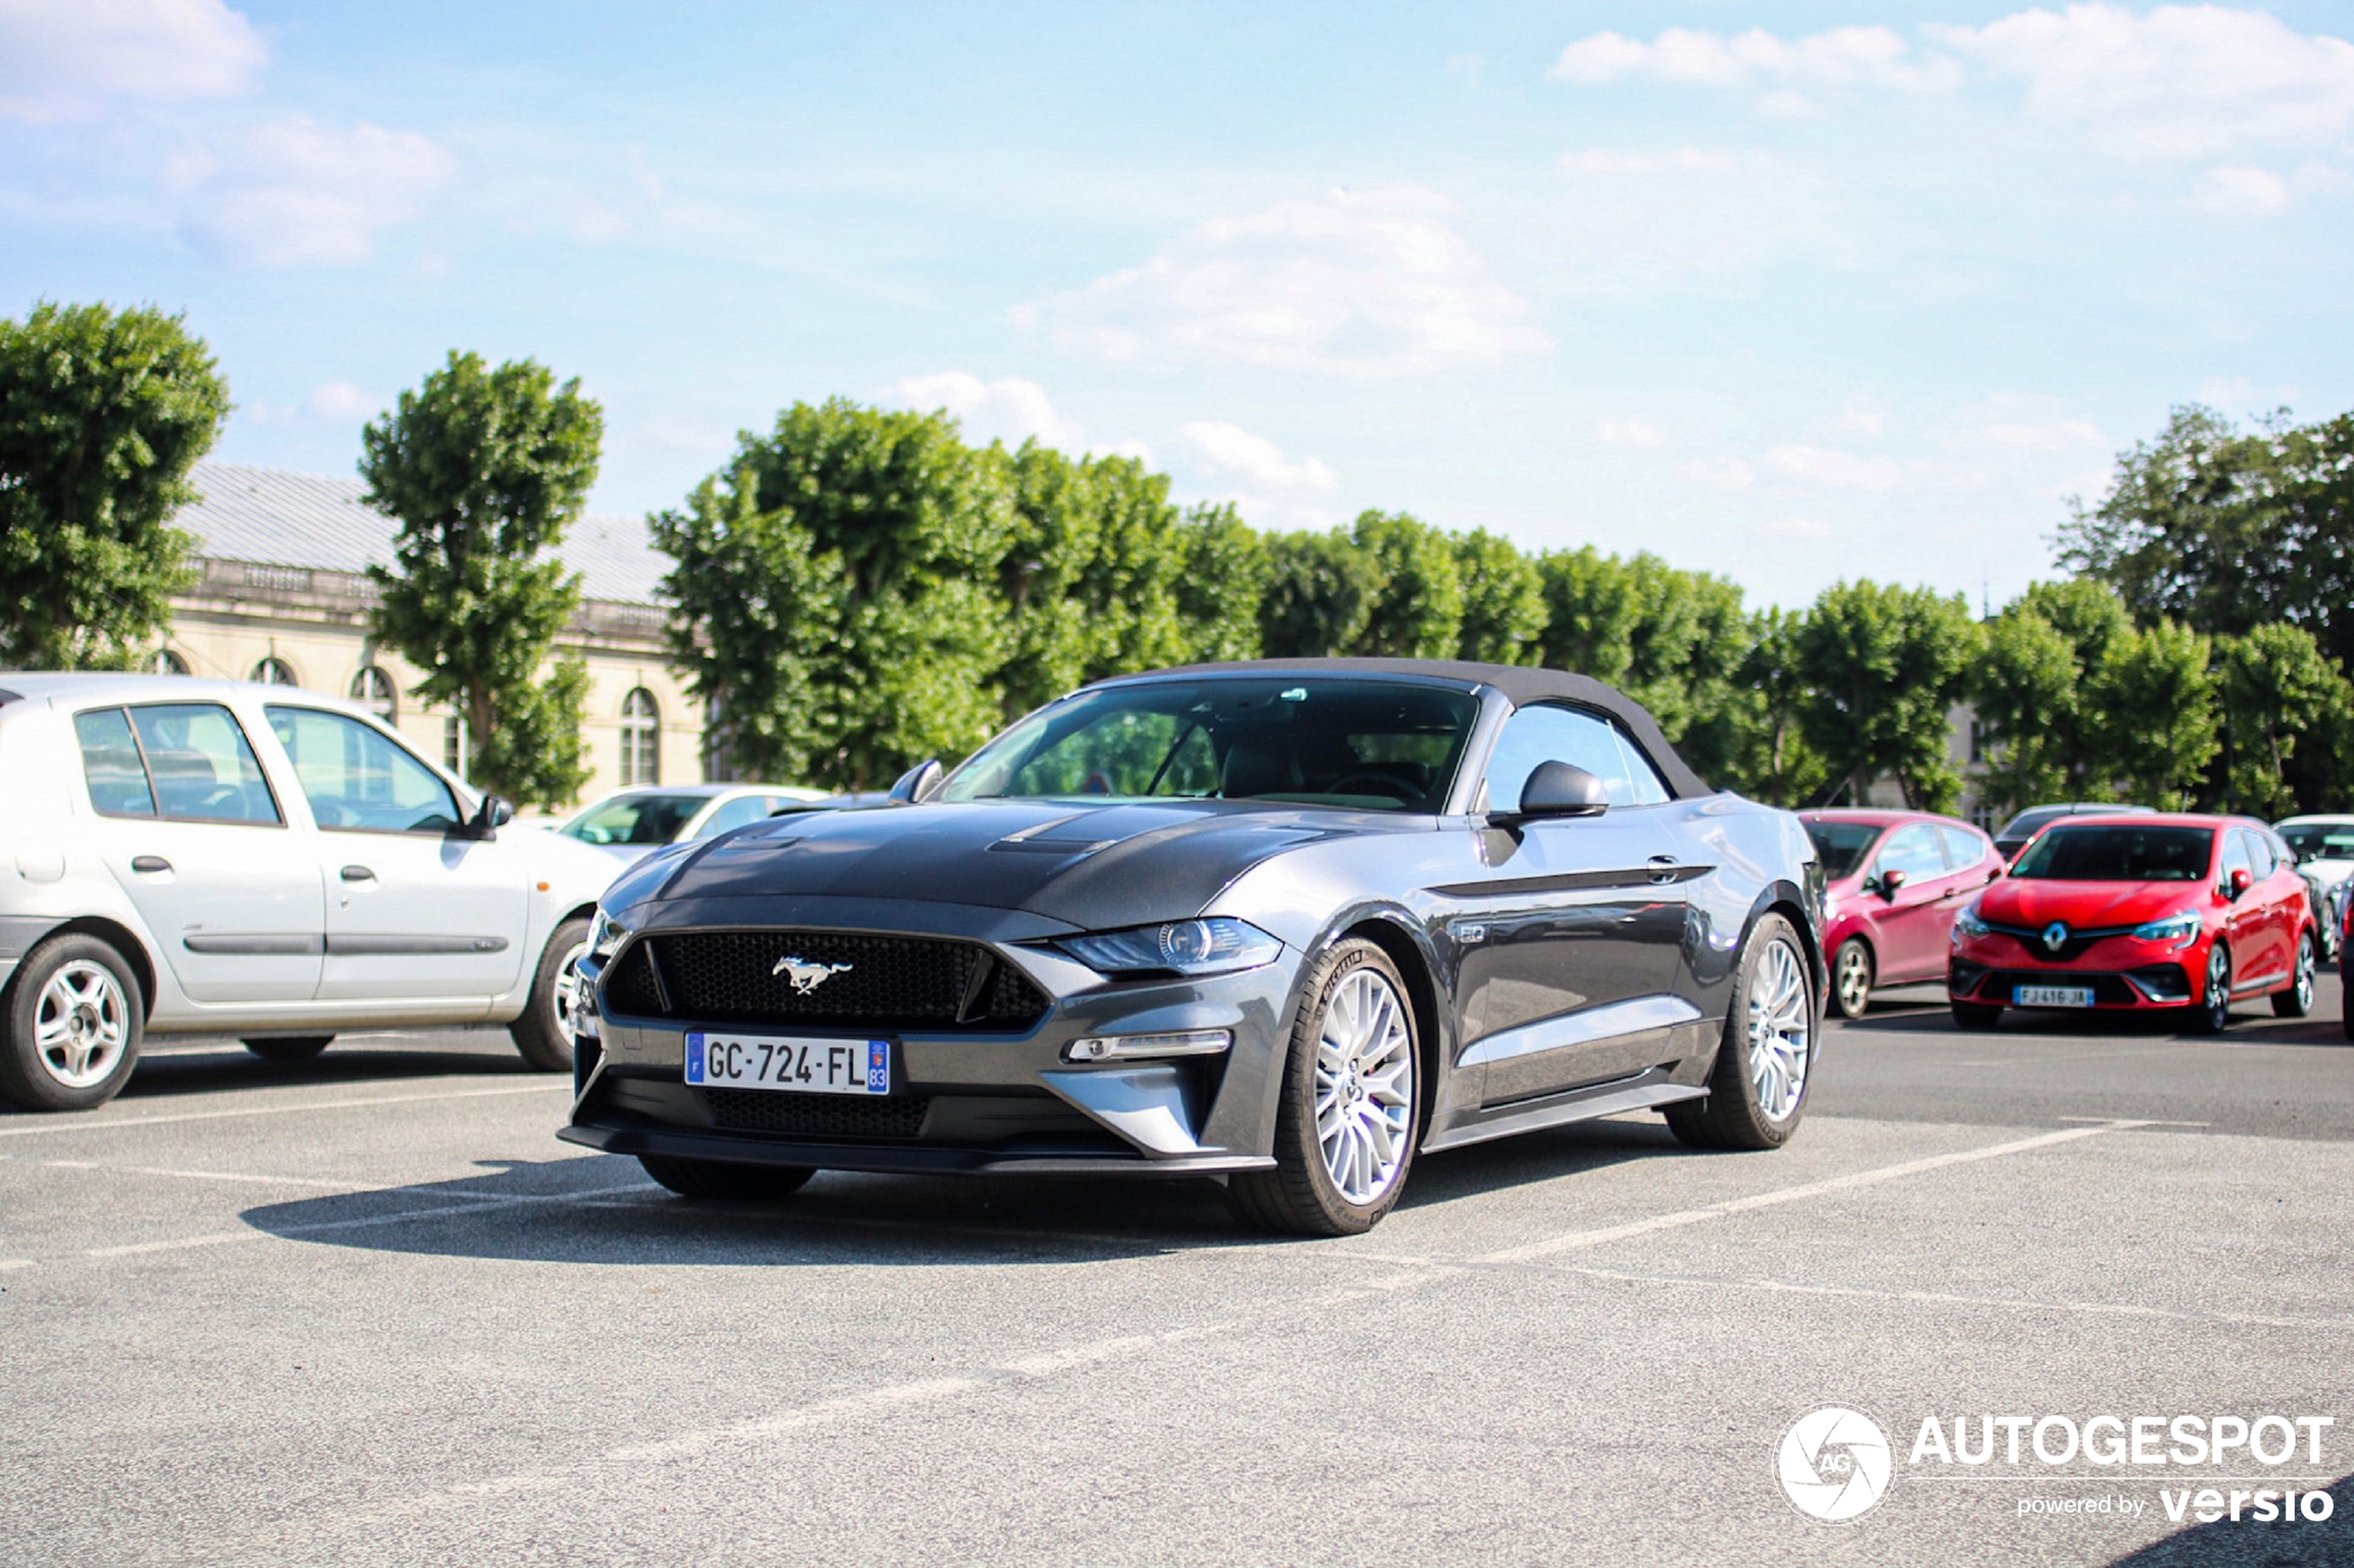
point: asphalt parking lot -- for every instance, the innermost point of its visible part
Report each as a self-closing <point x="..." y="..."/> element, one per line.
<point x="367" y="1310"/>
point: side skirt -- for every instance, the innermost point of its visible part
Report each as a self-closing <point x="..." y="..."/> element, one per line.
<point x="1642" y="1091"/>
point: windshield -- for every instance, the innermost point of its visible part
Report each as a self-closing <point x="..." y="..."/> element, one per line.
<point x="1364" y="745"/>
<point x="2023" y="825"/>
<point x="1841" y="846"/>
<point x="2321" y="841"/>
<point x="2118" y="854"/>
<point x="635" y="819"/>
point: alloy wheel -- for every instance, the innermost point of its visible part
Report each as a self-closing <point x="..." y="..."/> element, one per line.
<point x="2218" y="1000"/>
<point x="1364" y="1086"/>
<point x="1781" y="1031"/>
<point x="568" y="995"/>
<point x="1855" y="979"/>
<point x="2304" y="976"/>
<point x="82" y="1024"/>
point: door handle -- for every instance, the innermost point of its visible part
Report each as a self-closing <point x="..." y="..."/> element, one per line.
<point x="149" y="864"/>
<point x="1663" y="868"/>
<point x="358" y="874"/>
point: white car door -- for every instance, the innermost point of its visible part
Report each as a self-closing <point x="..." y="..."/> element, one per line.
<point x="415" y="910"/>
<point x="187" y="824"/>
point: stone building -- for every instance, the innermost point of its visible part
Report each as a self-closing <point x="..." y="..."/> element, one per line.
<point x="283" y="596"/>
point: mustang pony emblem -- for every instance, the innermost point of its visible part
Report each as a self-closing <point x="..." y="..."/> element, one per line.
<point x="805" y="976"/>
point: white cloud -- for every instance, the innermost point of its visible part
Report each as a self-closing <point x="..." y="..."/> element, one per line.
<point x="1840" y="57"/>
<point x="2057" y="436"/>
<point x="1359" y="283"/>
<point x="1722" y="473"/>
<point x="2184" y="81"/>
<point x="2243" y="191"/>
<point x="1823" y="465"/>
<point x="1857" y="419"/>
<point x="61" y="58"/>
<point x="1630" y="432"/>
<point x="1229" y="450"/>
<point x="1798" y="528"/>
<point x="1011" y="410"/>
<point x="295" y="191"/>
<point x="341" y="399"/>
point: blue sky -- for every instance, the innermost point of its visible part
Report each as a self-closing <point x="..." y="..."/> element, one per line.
<point x="1792" y="293"/>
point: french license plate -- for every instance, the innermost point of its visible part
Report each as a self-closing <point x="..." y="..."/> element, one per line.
<point x="795" y="1065"/>
<point x="2052" y="996"/>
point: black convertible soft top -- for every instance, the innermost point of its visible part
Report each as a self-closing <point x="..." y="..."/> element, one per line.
<point x="1523" y="684"/>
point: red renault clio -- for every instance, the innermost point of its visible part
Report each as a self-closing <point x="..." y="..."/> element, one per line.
<point x="2140" y="912"/>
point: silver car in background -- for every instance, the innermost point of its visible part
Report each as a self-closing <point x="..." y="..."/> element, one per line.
<point x="631" y="823"/>
<point x="257" y="860"/>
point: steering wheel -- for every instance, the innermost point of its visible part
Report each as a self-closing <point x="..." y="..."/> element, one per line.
<point x="1383" y="784"/>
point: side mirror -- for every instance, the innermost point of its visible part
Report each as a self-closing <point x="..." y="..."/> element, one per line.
<point x="1557" y="788"/>
<point x="2241" y="882"/>
<point x="492" y="815"/>
<point x="1892" y="882"/>
<point x="919" y="783"/>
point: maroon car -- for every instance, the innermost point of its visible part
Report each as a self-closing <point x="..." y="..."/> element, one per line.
<point x="1894" y="882"/>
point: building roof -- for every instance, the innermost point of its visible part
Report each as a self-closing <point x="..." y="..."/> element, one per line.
<point x="280" y="519"/>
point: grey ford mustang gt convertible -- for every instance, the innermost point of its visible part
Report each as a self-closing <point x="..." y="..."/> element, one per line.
<point x="1283" y="923"/>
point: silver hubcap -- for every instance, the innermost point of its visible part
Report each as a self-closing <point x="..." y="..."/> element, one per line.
<point x="2305" y="973"/>
<point x="81" y="1025"/>
<point x="1855" y="979"/>
<point x="1364" y="1086"/>
<point x="567" y="999"/>
<point x="1781" y="1031"/>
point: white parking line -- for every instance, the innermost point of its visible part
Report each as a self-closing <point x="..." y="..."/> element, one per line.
<point x="1576" y="1239"/>
<point x="73" y="1124"/>
<point x="193" y="1175"/>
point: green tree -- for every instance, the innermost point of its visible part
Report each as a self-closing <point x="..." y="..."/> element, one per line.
<point x="2276" y="685"/>
<point x="1771" y="760"/>
<point x="102" y="415"/>
<point x="1592" y="604"/>
<point x="1882" y="667"/>
<point x="1503" y="618"/>
<point x="1091" y="571"/>
<point x="2150" y="708"/>
<point x="839" y="593"/>
<point x="1320" y="593"/>
<point x="2025" y="690"/>
<point x="484" y="469"/>
<point x="1417" y="611"/>
<point x="1223" y="583"/>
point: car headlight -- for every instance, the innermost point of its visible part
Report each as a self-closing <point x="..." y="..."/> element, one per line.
<point x="1967" y="924"/>
<point x="606" y="936"/>
<point x="2179" y="931"/>
<point x="1212" y="946"/>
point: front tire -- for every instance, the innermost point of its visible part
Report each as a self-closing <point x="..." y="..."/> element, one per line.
<point x="1350" y="1107"/>
<point x="1852" y="976"/>
<point x="73" y="1020"/>
<point x="2212" y="1013"/>
<point x="543" y="1034"/>
<point x="724" y="1180"/>
<point x="2298" y="1000"/>
<point x="1757" y="1090"/>
<point x="288" y="1048"/>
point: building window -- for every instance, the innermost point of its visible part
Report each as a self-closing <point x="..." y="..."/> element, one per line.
<point x="453" y="744"/>
<point x="274" y="671"/>
<point x="167" y="662"/>
<point x="640" y="738"/>
<point x="373" y="690"/>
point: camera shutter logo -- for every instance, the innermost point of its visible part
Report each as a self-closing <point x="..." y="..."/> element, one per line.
<point x="1835" y="1464"/>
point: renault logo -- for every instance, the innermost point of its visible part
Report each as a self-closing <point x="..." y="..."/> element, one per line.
<point x="2054" y="937"/>
<point x="805" y="976"/>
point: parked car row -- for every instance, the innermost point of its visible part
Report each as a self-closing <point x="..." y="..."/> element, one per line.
<point x="2100" y="908"/>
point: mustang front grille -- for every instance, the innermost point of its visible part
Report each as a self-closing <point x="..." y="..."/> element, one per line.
<point x="832" y="979"/>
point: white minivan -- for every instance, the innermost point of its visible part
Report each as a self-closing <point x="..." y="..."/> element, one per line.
<point x="211" y="856"/>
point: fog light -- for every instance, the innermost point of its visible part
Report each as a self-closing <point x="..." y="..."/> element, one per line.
<point x="1187" y="1042"/>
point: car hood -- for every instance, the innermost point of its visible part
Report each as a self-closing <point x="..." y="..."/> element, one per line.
<point x="1099" y="866"/>
<point x="2033" y="902"/>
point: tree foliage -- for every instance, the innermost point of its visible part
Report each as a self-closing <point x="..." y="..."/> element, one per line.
<point x="102" y="415"/>
<point x="2150" y="708"/>
<point x="484" y="469"/>
<point x="1882" y="666"/>
<point x="2276" y="685"/>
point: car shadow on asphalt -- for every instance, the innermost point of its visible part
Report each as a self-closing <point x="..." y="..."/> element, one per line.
<point x="602" y="1209"/>
<point x="2305" y="1543"/>
<point x="209" y="1067"/>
